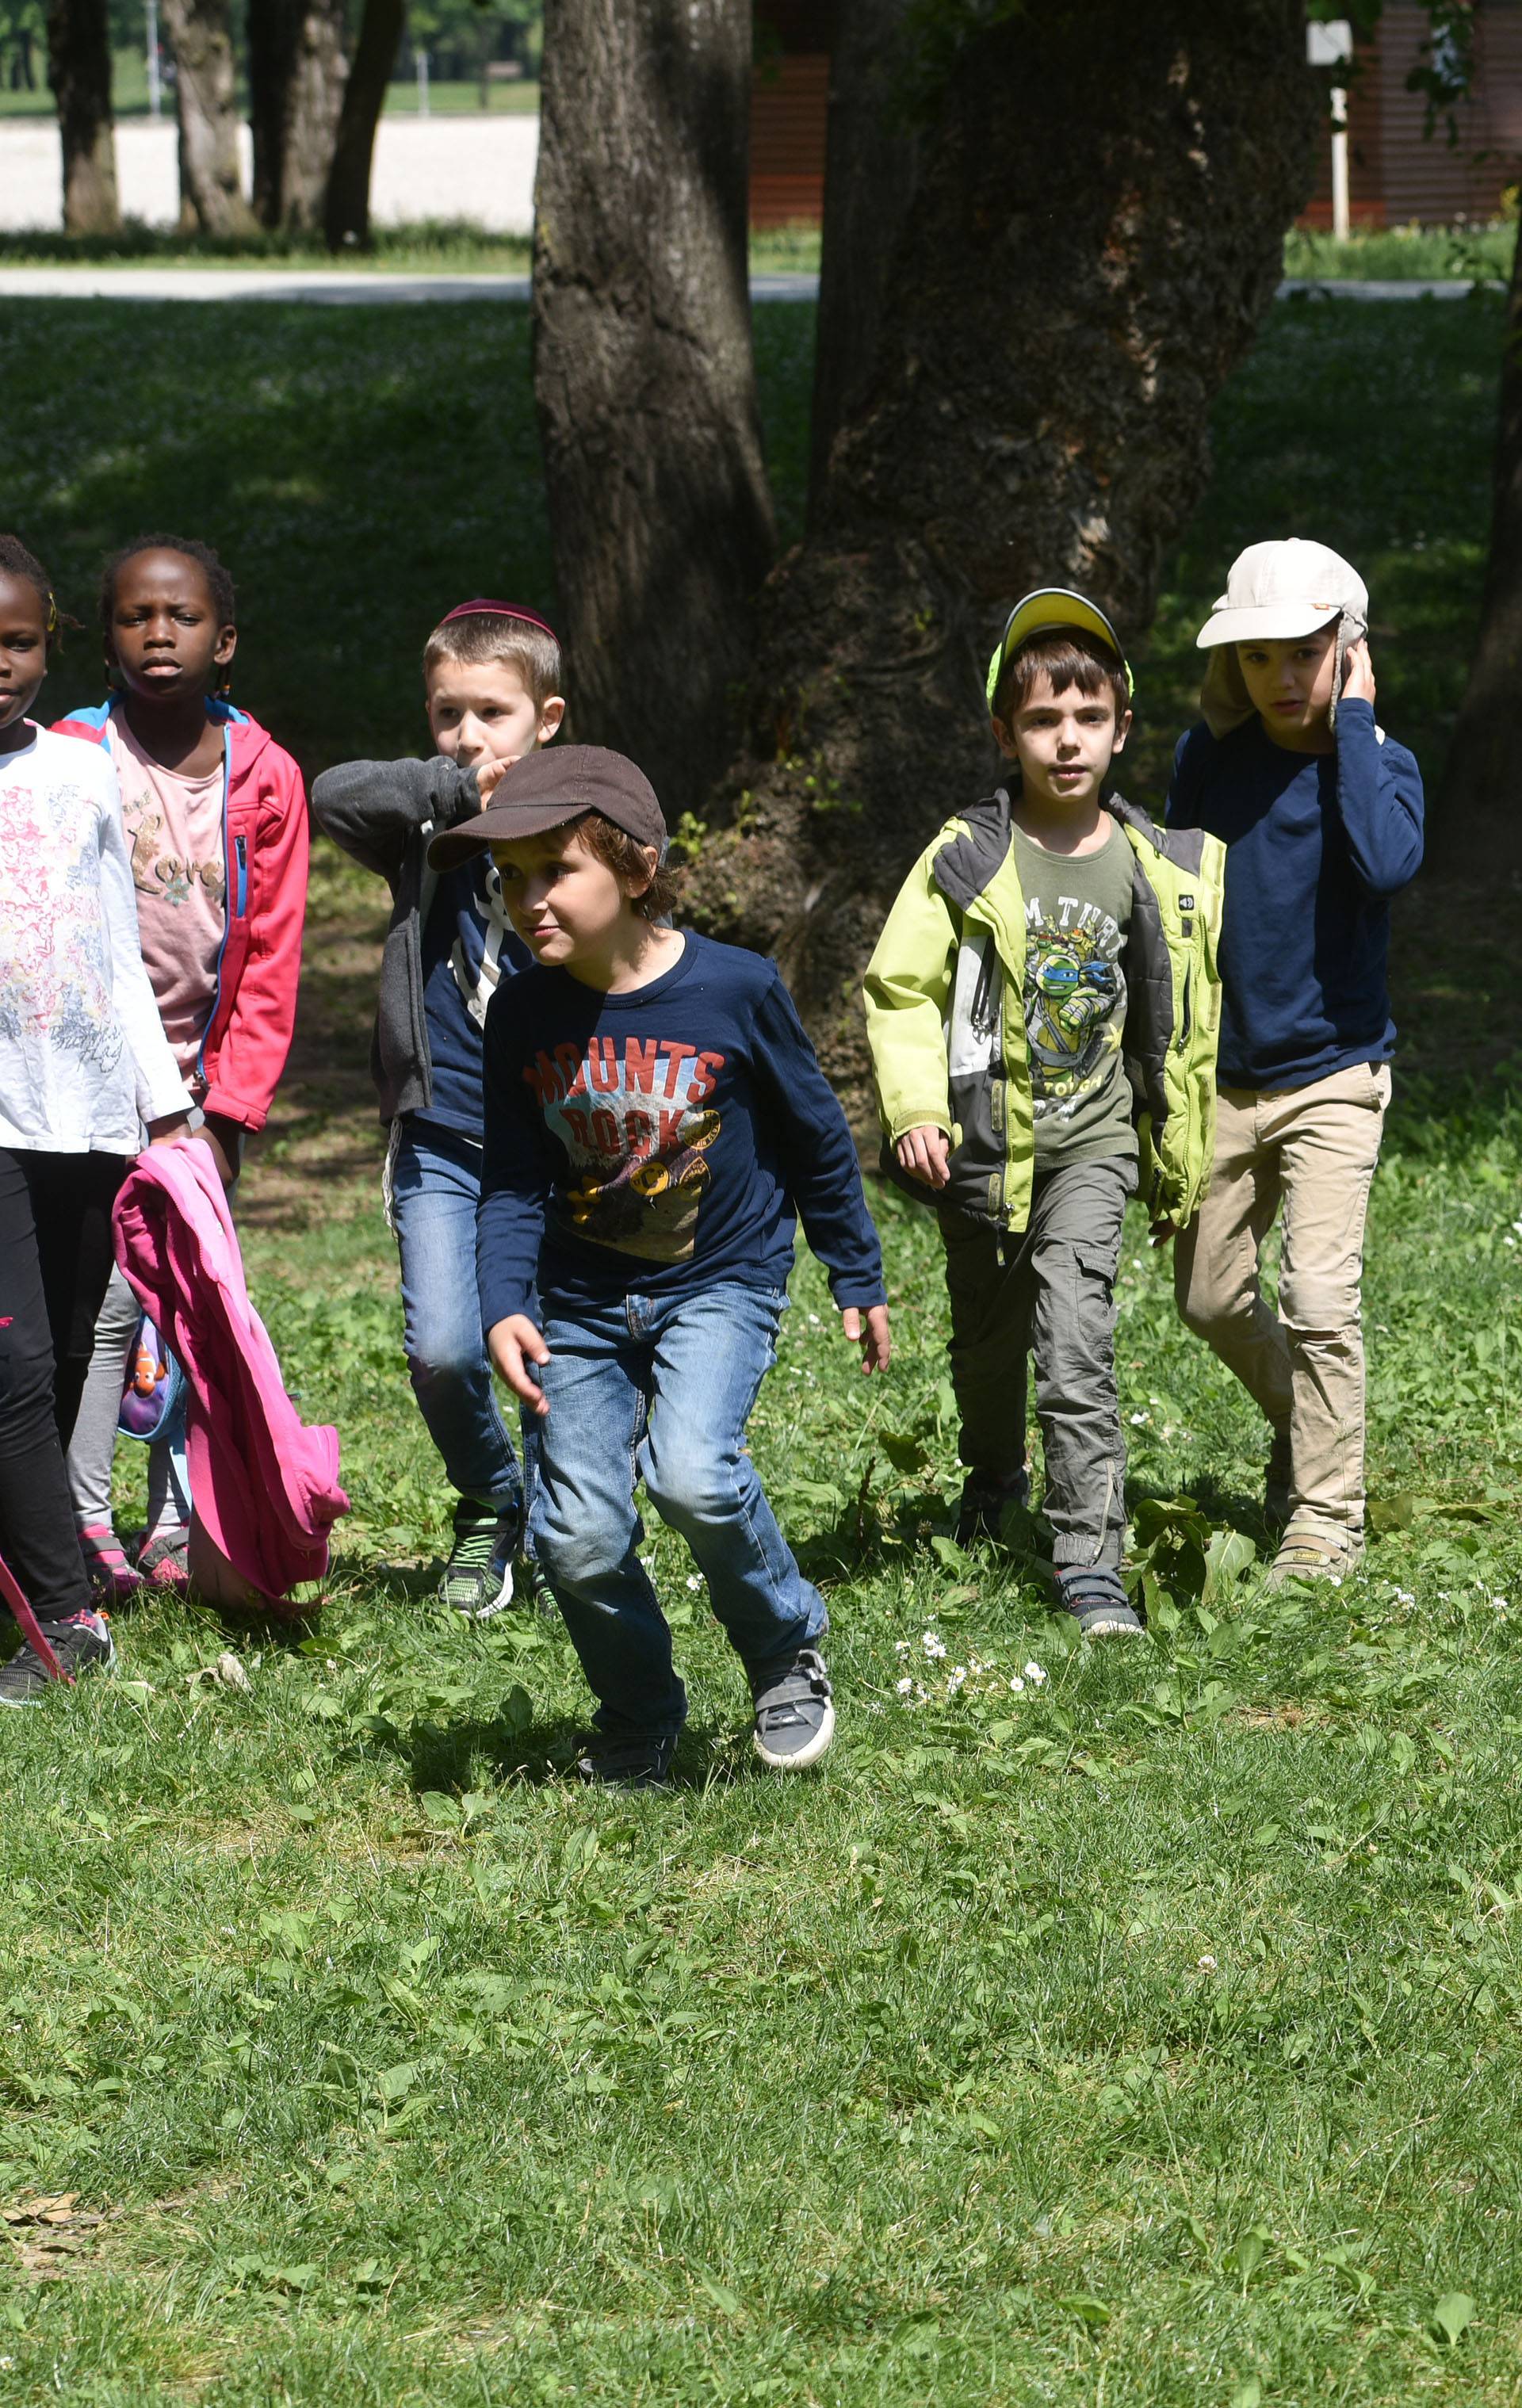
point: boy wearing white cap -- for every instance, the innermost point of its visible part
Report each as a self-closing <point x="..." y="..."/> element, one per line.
<point x="1042" y="1008"/>
<point x="1321" y="813"/>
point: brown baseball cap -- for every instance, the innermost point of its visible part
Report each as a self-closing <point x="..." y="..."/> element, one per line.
<point x="546" y="789"/>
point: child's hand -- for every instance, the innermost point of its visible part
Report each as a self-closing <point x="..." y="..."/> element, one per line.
<point x="221" y="1138"/>
<point x="509" y="1342"/>
<point x="1358" y="673"/>
<point x="489" y="776"/>
<point x="1164" y="1232"/>
<point x="876" y="1345"/>
<point x="923" y="1152"/>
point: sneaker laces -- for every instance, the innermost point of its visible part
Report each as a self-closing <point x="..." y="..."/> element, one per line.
<point x="475" y="1540"/>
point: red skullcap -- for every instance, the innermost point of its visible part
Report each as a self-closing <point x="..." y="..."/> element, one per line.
<point x="482" y="608"/>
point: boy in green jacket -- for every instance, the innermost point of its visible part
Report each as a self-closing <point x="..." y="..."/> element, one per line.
<point x="1042" y="1009"/>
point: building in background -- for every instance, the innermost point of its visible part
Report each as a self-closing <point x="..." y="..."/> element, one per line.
<point x="1397" y="175"/>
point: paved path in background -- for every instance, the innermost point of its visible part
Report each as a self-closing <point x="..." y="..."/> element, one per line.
<point x="340" y="285"/>
<point x="475" y="168"/>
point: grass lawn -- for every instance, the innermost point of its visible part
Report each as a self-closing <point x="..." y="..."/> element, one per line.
<point x="1148" y="2033"/>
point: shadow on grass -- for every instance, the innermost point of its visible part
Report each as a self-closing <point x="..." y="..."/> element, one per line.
<point x="449" y="1758"/>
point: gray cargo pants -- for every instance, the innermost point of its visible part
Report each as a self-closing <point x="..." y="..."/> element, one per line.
<point x="1047" y="1292"/>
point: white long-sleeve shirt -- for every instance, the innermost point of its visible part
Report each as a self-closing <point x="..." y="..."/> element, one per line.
<point x="83" y="1056"/>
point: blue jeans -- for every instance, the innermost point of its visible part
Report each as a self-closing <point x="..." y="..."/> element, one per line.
<point x="662" y="1389"/>
<point x="436" y="1187"/>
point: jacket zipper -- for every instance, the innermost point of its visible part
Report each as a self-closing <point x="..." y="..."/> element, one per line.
<point x="229" y="860"/>
<point x="241" y="847"/>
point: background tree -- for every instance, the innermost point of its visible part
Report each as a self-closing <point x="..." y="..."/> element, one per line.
<point x="1096" y="229"/>
<point x="643" y="374"/>
<point x="346" y="209"/>
<point x="79" y="72"/>
<point x="298" y="74"/>
<point x="199" y="33"/>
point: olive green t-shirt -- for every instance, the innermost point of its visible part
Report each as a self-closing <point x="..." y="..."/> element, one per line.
<point x="1078" y="911"/>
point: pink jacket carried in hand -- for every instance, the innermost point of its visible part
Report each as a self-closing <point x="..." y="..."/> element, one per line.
<point x="266" y="1487"/>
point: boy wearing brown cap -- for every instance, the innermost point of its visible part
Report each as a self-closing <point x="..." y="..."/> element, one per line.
<point x="656" y="1124"/>
<point x="492" y="676"/>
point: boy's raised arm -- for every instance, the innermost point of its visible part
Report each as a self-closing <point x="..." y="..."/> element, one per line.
<point x="371" y="808"/>
<point x="1380" y="800"/>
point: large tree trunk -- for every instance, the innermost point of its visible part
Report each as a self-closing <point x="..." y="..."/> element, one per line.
<point x="297" y="75"/>
<point x="873" y="158"/>
<point x="1096" y="231"/>
<point x="79" y="72"/>
<point x="211" y="180"/>
<point x="659" y="507"/>
<point x="1480" y="786"/>
<point x="347" y="210"/>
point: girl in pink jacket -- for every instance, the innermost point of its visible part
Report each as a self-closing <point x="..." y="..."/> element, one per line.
<point x="216" y="819"/>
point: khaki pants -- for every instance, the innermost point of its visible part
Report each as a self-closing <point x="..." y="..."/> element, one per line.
<point x="1313" y="1151"/>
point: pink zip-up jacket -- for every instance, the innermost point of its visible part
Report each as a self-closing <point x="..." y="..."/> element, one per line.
<point x="265" y="1486"/>
<point x="266" y="843"/>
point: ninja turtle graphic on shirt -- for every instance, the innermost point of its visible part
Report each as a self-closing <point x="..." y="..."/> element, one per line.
<point x="1074" y="1001"/>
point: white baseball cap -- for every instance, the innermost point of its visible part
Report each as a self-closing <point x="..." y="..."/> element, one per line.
<point x="1279" y="591"/>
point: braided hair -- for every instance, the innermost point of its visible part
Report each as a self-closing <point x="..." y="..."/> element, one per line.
<point x="223" y="599"/>
<point x="16" y="561"/>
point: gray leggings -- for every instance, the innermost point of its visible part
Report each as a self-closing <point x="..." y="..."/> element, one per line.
<point x="93" y="1442"/>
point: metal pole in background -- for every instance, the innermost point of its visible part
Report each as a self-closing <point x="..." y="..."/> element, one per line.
<point x="155" y="79"/>
<point x="1342" y="220"/>
<point x="1329" y="43"/>
<point x="422" y="84"/>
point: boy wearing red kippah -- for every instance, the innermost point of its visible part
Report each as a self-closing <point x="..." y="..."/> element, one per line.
<point x="491" y="674"/>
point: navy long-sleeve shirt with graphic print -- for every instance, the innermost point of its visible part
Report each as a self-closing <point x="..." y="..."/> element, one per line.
<point x="1316" y="844"/>
<point x="662" y="1142"/>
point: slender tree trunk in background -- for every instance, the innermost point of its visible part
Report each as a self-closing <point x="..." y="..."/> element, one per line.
<point x="79" y="72"/>
<point x="1098" y="218"/>
<point x="297" y="75"/>
<point x="659" y="507"/>
<point x="347" y="208"/>
<point x="210" y="181"/>
<point x="872" y="156"/>
<point x="1479" y="795"/>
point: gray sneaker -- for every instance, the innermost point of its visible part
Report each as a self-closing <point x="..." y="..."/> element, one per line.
<point x="81" y="1644"/>
<point x="795" y="1718"/>
<point x="1095" y="1596"/>
<point x="626" y="1763"/>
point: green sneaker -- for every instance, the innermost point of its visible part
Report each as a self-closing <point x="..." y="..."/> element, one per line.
<point x="477" y="1577"/>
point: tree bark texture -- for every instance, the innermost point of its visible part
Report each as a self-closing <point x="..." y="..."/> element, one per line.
<point x="1479" y="794"/>
<point x="1096" y="229"/>
<point x="79" y="72"/>
<point x="297" y="75"/>
<point x="659" y="507"/>
<point x="210" y="180"/>
<point x="873" y="157"/>
<point x="346" y="204"/>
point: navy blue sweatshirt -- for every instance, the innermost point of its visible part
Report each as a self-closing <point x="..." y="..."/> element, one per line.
<point x="1317" y="845"/>
<point x="662" y="1142"/>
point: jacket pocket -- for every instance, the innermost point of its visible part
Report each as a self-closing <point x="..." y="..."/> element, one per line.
<point x="241" y="876"/>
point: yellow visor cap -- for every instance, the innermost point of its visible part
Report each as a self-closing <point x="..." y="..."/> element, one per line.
<point x="1050" y="608"/>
